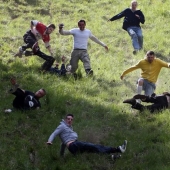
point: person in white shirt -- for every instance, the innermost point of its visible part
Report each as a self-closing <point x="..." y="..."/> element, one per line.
<point x="81" y="35"/>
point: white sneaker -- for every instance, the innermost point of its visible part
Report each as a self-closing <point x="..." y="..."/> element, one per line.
<point x="138" y="100"/>
<point x="7" y="110"/>
<point x="123" y="147"/>
<point x="114" y="157"/>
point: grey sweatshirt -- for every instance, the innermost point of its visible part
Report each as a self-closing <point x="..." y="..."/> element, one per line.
<point x="65" y="133"/>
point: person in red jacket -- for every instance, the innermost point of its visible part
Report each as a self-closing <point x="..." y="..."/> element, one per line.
<point x="31" y="37"/>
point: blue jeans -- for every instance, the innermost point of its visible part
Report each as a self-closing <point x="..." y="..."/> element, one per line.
<point x="136" y="36"/>
<point x="148" y="87"/>
<point x="81" y="147"/>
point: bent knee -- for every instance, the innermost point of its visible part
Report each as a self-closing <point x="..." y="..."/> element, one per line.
<point x="140" y="82"/>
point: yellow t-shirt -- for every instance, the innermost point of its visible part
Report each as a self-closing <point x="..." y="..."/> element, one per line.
<point x="149" y="71"/>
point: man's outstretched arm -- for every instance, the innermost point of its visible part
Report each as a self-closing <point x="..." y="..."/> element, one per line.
<point x="63" y="32"/>
<point x="96" y="40"/>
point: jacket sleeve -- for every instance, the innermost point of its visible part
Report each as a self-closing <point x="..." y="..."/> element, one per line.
<point x="163" y="63"/>
<point x="142" y="17"/>
<point x="135" y="67"/>
<point x="118" y="16"/>
<point x="57" y="131"/>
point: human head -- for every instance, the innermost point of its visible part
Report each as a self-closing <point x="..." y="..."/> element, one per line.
<point x="134" y="5"/>
<point x="50" y="28"/>
<point x="150" y="56"/>
<point x="40" y="93"/>
<point x="81" y="24"/>
<point x="57" y="65"/>
<point x="69" y="119"/>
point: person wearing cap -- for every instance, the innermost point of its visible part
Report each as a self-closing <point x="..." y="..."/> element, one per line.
<point x="81" y="36"/>
<point x="31" y="37"/>
<point x="132" y="19"/>
<point x="150" y="68"/>
<point x="160" y="102"/>
<point x="69" y="139"/>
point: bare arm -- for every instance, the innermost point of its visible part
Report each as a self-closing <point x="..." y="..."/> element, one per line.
<point x="33" y="23"/>
<point x="63" y="32"/>
<point x="96" y="40"/>
<point x="49" y="49"/>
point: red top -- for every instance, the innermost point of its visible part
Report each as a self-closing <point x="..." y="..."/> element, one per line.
<point x="41" y="28"/>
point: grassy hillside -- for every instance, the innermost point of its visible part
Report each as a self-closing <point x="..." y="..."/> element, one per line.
<point x="100" y="115"/>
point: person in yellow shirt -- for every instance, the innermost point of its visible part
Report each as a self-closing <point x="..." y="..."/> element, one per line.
<point x="150" y="68"/>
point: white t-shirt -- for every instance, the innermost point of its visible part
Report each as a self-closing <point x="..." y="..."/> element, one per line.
<point x="80" y="38"/>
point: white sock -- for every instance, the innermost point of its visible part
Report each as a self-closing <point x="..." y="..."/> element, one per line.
<point x="139" y="89"/>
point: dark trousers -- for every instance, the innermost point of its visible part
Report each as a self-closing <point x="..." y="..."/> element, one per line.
<point x="18" y="102"/>
<point x="159" y="103"/>
<point x="62" y="71"/>
<point x="81" y="147"/>
<point x="30" y="40"/>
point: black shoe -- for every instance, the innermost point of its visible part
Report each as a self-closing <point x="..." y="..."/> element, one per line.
<point x="135" y="52"/>
<point x="130" y="101"/>
<point x="89" y="72"/>
<point x="28" y="53"/>
<point x="140" y="96"/>
<point x="75" y="76"/>
<point x="153" y="95"/>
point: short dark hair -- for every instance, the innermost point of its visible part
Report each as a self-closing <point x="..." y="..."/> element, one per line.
<point x="69" y="114"/>
<point x="44" y="91"/>
<point x="82" y="20"/>
<point x="150" y="53"/>
<point x="52" y="26"/>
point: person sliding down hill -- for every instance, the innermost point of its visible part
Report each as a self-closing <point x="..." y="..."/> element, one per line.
<point x="25" y="100"/>
<point x="69" y="139"/>
<point x="63" y="69"/>
<point x="131" y="23"/>
<point x="160" y="102"/>
<point x="150" y="68"/>
<point x="81" y="35"/>
<point x="38" y="31"/>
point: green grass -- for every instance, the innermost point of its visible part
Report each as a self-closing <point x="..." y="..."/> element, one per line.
<point x="100" y="115"/>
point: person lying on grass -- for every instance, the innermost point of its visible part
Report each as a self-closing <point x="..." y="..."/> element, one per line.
<point x="63" y="70"/>
<point x="24" y="99"/>
<point x="160" y="102"/>
<point x="69" y="139"/>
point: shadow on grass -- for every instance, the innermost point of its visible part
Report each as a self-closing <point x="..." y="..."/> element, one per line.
<point x="162" y="57"/>
<point x="23" y="134"/>
<point x="30" y="2"/>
